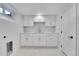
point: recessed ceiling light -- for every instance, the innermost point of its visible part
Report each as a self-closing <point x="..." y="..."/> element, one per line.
<point x="39" y="18"/>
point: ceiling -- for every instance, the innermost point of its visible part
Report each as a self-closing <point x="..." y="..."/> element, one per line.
<point x="43" y="8"/>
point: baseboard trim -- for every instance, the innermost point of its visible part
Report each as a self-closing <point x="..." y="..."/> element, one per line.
<point x="38" y="47"/>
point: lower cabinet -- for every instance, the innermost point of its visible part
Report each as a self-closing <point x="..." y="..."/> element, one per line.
<point x="35" y="40"/>
<point x="52" y="40"/>
<point x="26" y="40"/>
<point x="39" y="40"/>
<point x="42" y="39"/>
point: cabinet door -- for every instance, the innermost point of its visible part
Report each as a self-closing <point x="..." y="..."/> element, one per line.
<point x="26" y="40"/>
<point x="36" y="40"/>
<point x="22" y="41"/>
<point x="69" y="31"/>
<point x="42" y="39"/>
<point x="52" y="40"/>
<point x="29" y="40"/>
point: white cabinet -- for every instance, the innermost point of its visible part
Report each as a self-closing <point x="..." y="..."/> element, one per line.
<point x="26" y="40"/>
<point x="52" y="40"/>
<point x="35" y="39"/>
<point x="39" y="35"/>
<point x="42" y="39"/>
<point x="29" y="41"/>
<point x="45" y="39"/>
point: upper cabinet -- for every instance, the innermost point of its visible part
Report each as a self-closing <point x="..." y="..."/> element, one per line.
<point x="28" y="20"/>
<point x="50" y="20"/>
<point x="39" y="27"/>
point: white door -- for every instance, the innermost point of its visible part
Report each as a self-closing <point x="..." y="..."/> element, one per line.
<point x="69" y="31"/>
<point x="78" y="29"/>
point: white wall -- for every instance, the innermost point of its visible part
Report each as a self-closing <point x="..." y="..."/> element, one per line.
<point x="19" y="24"/>
<point x="10" y="28"/>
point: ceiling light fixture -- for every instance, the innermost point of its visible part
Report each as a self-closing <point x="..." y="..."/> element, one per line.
<point x="39" y="18"/>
